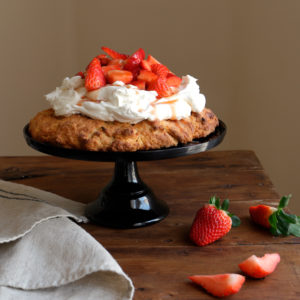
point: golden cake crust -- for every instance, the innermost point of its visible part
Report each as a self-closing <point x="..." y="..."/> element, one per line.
<point x="81" y="132"/>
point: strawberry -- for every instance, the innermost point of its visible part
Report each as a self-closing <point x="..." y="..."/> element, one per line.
<point x="276" y="219"/>
<point x="174" y="80"/>
<point x="81" y="74"/>
<point x="260" y="214"/>
<point x="105" y="69"/>
<point x="116" y="61"/>
<point x="161" y="87"/>
<point x="147" y="76"/>
<point x="212" y="222"/>
<point x="104" y="60"/>
<point x="119" y="75"/>
<point x="94" y="76"/>
<point x="151" y="60"/>
<point x="260" y="267"/>
<point x="113" y="53"/>
<point x="145" y="65"/>
<point x="140" y="84"/>
<point x="160" y="70"/>
<point x="220" y="285"/>
<point x="132" y="63"/>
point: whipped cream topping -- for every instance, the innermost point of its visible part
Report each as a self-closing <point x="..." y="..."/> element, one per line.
<point x="125" y="103"/>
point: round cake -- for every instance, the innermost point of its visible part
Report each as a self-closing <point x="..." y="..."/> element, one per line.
<point x="124" y="103"/>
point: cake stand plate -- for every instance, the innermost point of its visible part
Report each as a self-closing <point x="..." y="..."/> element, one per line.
<point x="127" y="202"/>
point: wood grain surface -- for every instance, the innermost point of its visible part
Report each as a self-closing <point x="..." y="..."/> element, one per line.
<point x="159" y="258"/>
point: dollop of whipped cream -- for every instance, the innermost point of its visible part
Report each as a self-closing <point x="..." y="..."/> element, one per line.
<point x="125" y="103"/>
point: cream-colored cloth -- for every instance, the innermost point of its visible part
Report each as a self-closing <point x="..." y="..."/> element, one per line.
<point x="45" y="255"/>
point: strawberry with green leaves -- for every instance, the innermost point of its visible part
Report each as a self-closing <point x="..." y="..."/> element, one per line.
<point x="212" y="222"/>
<point x="276" y="219"/>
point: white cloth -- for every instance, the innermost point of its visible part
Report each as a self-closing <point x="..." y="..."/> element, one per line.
<point x="45" y="255"/>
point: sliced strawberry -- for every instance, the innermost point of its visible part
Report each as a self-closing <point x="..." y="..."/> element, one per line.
<point x="260" y="214"/>
<point x="104" y="60"/>
<point x="116" y="61"/>
<point x="161" y="87"/>
<point x="140" y="84"/>
<point x="94" y="76"/>
<point x="132" y="63"/>
<point x="105" y="69"/>
<point x="81" y="74"/>
<point x="151" y="60"/>
<point x="145" y="65"/>
<point x="220" y="285"/>
<point x="174" y="80"/>
<point x="147" y="76"/>
<point x="260" y="267"/>
<point x="113" y="53"/>
<point x="119" y="75"/>
<point x="160" y="70"/>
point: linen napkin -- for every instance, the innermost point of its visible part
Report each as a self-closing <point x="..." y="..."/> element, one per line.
<point x="45" y="255"/>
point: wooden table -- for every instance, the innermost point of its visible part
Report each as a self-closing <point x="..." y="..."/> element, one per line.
<point x="159" y="258"/>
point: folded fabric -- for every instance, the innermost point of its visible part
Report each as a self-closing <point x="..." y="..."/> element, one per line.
<point x="45" y="255"/>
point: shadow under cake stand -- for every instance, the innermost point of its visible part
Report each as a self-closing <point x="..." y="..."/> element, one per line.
<point x="127" y="202"/>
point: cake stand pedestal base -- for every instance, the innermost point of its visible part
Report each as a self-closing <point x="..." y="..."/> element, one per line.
<point x="126" y="202"/>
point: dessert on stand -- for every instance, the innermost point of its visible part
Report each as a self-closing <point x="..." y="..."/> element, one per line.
<point x="125" y="108"/>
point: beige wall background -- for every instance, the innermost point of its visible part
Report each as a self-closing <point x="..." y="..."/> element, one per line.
<point x="244" y="53"/>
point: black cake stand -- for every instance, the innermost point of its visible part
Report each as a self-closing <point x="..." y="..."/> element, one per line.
<point x="127" y="202"/>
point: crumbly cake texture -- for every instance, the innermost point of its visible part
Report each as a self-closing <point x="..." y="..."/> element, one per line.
<point x="83" y="133"/>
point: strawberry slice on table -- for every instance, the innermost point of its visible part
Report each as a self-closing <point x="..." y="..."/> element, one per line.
<point x="113" y="53"/>
<point x="276" y="219"/>
<point x="220" y="285"/>
<point x="140" y="84"/>
<point x="119" y="75"/>
<point x="212" y="222"/>
<point x="94" y="78"/>
<point x="260" y="267"/>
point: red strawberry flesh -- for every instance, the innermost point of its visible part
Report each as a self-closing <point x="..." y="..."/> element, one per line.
<point x="260" y="214"/>
<point x="113" y="53"/>
<point x="220" y="285"/>
<point x="94" y="76"/>
<point x="260" y="267"/>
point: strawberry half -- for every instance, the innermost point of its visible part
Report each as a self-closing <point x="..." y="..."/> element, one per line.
<point x="160" y="70"/>
<point x="145" y="65"/>
<point x="139" y="83"/>
<point x="113" y="53"/>
<point x="151" y="60"/>
<point x="276" y="219"/>
<point x="147" y="76"/>
<point x="94" y="76"/>
<point x="260" y="214"/>
<point x="220" y="285"/>
<point x="174" y="80"/>
<point x="260" y="267"/>
<point x="161" y="87"/>
<point x="119" y="75"/>
<point x="212" y="222"/>
<point x="133" y="62"/>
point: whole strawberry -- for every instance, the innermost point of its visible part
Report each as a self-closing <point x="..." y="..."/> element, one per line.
<point x="212" y="222"/>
